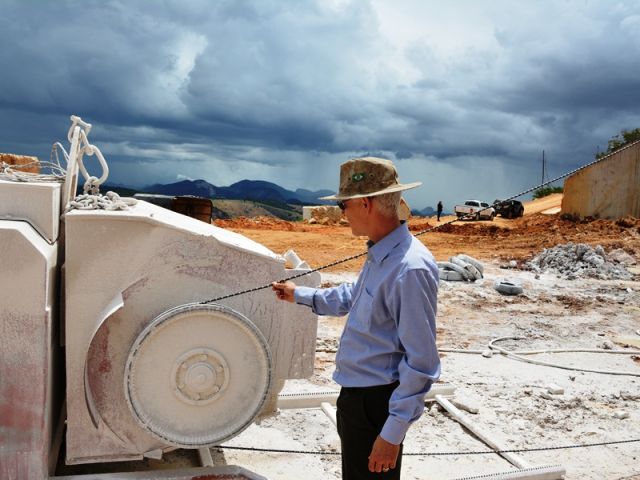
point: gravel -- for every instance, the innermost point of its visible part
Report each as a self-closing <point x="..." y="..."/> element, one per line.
<point x="572" y="261"/>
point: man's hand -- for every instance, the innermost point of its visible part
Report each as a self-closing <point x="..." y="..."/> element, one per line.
<point x="284" y="290"/>
<point x="383" y="455"/>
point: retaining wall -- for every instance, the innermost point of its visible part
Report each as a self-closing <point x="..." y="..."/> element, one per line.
<point x="609" y="189"/>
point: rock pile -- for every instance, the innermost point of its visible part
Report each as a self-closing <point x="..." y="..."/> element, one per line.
<point x="332" y="215"/>
<point x="326" y="215"/>
<point x="461" y="268"/>
<point x="573" y="261"/>
<point x="22" y="163"/>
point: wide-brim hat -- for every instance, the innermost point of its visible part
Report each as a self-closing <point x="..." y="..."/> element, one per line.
<point x="367" y="177"/>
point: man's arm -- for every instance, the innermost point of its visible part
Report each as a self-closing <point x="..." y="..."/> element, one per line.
<point x="414" y="305"/>
<point x="334" y="301"/>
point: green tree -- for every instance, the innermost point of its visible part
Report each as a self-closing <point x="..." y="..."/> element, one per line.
<point x="618" y="141"/>
<point x="544" y="191"/>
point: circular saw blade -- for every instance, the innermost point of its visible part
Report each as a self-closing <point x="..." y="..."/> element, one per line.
<point x="197" y="375"/>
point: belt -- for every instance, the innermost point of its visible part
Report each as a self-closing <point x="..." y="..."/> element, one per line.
<point x="373" y="388"/>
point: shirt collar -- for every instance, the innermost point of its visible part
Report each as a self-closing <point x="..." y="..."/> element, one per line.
<point x="379" y="251"/>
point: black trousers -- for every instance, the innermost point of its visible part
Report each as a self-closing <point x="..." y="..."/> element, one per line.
<point x="361" y="413"/>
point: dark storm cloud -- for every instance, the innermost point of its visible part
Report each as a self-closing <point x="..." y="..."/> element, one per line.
<point x="569" y="81"/>
<point x="275" y="90"/>
<point x="229" y="71"/>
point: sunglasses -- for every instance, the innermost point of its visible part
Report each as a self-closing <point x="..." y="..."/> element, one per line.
<point x="342" y="205"/>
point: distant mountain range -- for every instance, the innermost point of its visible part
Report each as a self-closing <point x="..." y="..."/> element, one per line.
<point x="256" y="190"/>
<point x="425" y="212"/>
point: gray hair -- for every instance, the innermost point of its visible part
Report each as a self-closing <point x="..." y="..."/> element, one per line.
<point x="388" y="203"/>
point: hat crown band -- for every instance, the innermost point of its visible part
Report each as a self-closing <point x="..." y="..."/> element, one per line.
<point x="366" y="187"/>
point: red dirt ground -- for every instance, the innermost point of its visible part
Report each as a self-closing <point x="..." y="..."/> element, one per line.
<point x="517" y="239"/>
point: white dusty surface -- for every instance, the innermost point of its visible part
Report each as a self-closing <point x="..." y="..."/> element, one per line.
<point x="552" y="313"/>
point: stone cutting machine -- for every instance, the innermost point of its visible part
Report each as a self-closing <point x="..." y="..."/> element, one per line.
<point x="101" y="310"/>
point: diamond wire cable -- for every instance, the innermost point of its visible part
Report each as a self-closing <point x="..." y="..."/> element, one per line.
<point x="440" y="454"/>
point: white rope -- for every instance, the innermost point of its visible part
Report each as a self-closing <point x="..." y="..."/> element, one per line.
<point x="58" y="173"/>
<point x="543" y="351"/>
<point x="62" y="171"/>
<point x="14" y="173"/>
<point x="514" y="356"/>
<point x="91" y="199"/>
<point x="519" y="355"/>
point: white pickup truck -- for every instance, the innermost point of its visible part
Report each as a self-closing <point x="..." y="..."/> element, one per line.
<point x="476" y="210"/>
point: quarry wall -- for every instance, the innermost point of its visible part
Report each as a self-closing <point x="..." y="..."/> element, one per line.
<point x="609" y="189"/>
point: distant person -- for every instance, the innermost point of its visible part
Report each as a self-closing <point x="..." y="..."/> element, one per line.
<point x="387" y="359"/>
<point x="439" y="209"/>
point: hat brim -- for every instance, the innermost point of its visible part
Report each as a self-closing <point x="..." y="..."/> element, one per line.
<point x="394" y="188"/>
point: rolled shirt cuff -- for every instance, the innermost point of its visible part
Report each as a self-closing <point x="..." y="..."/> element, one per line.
<point x="394" y="430"/>
<point x="304" y="295"/>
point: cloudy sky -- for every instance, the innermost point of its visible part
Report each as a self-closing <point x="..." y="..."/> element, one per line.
<point x="462" y="95"/>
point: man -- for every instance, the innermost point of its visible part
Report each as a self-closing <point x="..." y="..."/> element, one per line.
<point x="439" y="209"/>
<point x="387" y="359"/>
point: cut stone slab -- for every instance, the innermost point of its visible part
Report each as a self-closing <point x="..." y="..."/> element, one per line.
<point x="464" y="406"/>
<point x="631" y="341"/>
<point x="554" y="389"/>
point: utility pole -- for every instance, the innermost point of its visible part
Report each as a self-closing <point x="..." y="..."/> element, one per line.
<point x="542" y="167"/>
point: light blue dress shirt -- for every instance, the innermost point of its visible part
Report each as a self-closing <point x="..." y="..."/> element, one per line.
<point x="390" y="333"/>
